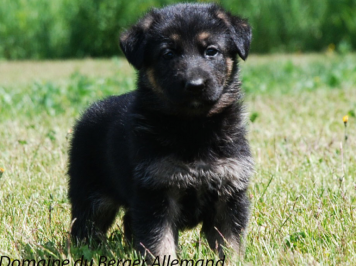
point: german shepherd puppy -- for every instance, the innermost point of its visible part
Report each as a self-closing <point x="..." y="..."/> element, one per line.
<point x="172" y="153"/>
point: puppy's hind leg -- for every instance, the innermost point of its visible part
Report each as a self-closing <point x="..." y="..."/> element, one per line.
<point x="91" y="218"/>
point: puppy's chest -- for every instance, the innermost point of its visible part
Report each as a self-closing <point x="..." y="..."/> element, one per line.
<point x="172" y="173"/>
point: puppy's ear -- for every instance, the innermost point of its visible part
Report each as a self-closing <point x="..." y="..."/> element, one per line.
<point x="133" y="41"/>
<point x="240" y="32"/>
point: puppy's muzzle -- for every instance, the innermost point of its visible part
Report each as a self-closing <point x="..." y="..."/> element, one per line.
<point x="196" y="81"/>
<point x="195" y="86"/>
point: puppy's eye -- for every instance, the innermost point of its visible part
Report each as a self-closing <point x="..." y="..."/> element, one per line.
<point x="169" y="54"/>
<point x="211" y="52"/>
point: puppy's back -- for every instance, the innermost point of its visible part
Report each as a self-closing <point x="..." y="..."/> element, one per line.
<point x="89" y="167"/>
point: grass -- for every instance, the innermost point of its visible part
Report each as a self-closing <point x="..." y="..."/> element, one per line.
<point x="303" y="192"/>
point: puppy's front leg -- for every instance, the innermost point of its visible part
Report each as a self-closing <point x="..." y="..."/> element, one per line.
<point x="153" y="226"/>
<point x="227" y="223"/>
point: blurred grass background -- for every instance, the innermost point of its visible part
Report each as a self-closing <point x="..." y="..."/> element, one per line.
<point x="42" y="29"/>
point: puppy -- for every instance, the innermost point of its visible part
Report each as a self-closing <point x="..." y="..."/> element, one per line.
<point x="172" y="153"/>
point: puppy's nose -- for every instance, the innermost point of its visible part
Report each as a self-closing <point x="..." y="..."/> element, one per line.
<point x="195" y="85"/>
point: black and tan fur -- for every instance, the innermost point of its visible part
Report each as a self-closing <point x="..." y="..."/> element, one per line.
<point x="172" y="153"/>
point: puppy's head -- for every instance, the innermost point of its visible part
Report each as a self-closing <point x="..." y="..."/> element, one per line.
<point x="187" y="53"/>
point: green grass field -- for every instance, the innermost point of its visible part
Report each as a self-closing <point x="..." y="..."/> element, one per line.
<point x="303" y="192"/>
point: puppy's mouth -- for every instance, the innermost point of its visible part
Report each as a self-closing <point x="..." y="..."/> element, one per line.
<point x="197" y="106"/>
<point x="192" y="103"/>
<point x="205" y="100"/>
<point x="200" y="104"/>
